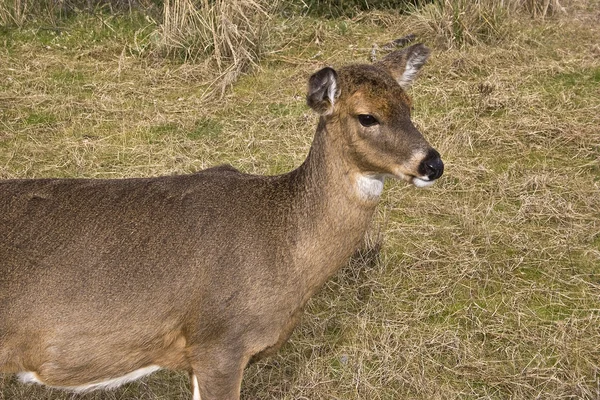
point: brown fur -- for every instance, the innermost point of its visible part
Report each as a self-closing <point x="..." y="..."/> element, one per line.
<point x="198" y="272"/>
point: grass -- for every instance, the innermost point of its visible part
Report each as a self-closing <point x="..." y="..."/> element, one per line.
<point x="486" y="286"/>
<point x="229" y="34"/>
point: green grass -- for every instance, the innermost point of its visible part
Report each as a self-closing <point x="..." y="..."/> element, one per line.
<point x="486" y="286"/>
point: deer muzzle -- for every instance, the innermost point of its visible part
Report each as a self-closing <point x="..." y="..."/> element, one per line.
<point x="430" y="169"/>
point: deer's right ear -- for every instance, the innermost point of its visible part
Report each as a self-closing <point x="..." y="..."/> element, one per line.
<point x="404" y="64"/>
<point x="322" y="91"/>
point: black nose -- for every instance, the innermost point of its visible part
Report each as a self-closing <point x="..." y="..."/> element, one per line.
<point x="432" y="166"/>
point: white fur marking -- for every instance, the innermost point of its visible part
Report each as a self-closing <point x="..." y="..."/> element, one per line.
<point x="29" y="377"/>
<point x="32" y="377"/>
<point x="421" y="183"/>
<point x="413" y="65"/>
<point x="116" y="382"/>
<point x="369" y="186"/>
<point x="408" y="76"/>
<point x="196" y="389"/>
<point x="331" y="92"/>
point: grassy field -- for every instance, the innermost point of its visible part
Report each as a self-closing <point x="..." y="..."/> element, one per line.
<point x="485" y="286"/>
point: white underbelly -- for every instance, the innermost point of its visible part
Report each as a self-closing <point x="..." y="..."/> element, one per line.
<point x="32" y="377"/>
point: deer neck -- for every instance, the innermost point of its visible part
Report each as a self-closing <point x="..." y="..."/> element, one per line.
<point x="328" y="173"/>
<point x="334" y="207"/>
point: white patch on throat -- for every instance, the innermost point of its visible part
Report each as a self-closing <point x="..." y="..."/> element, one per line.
<point x="369" y="186"/>
<point x="32" y="377"/>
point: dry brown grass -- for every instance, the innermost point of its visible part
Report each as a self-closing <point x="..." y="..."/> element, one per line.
<point x="486" y="286"/>
<point x="16" y="13"/>
<point x="456" y="23"/>
<point x="230" y="34"/>
<point x="13" y="12"/>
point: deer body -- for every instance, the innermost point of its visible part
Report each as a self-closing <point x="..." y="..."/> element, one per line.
<point x="104" y="281"/>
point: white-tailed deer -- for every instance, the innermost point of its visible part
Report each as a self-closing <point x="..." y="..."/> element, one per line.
<point x="104" y="281"/>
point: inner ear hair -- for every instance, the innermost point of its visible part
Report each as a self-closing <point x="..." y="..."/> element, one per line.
<point x="404" y="64"/>
<point x="322" y="91"/>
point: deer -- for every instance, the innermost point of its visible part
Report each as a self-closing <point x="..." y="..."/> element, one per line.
<point x="103" y="281"/>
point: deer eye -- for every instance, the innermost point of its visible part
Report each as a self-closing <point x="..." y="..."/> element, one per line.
<point x="367" y="120"/>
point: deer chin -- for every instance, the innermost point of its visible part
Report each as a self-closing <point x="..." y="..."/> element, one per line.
<point x="421" y="183"/>
<point x="412" y="179"/>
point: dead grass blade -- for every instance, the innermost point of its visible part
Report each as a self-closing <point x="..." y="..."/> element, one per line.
<point x="230" y="34"/>
<point x="457" y="23"/>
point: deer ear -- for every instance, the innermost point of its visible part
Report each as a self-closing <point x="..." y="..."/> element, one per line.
<point x="323" y="91"/>
<point x="404" y="64"/>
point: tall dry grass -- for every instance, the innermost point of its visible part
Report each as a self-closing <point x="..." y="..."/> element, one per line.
<point x="228" y="33"/>
<point x="457" y="23"/>
<point x="14" y="12"/>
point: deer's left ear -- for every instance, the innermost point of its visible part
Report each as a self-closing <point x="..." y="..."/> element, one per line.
<point x="323" y="91"/>
<point x="404" y="64"/>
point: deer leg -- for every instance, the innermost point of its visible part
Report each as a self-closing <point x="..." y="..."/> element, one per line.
<point x="219" y="378"/>
<point x="195" y="387"/>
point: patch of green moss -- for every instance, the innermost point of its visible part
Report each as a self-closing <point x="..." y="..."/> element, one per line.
<point x="205" y="128"/>
<point x="40" y="118"/>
